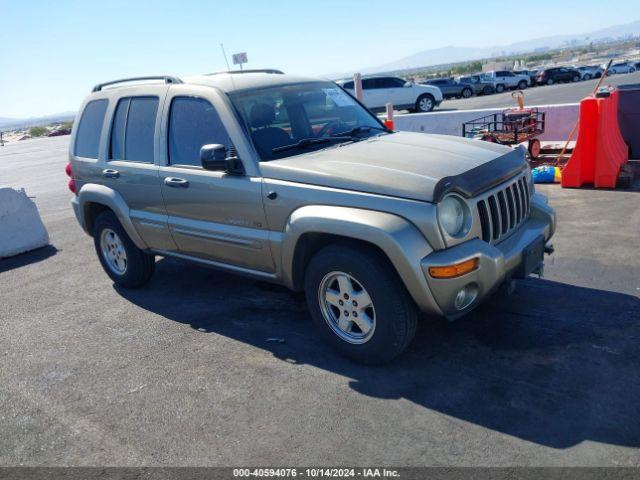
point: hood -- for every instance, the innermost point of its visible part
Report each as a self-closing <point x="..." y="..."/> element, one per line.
<point x="403" y="164"/>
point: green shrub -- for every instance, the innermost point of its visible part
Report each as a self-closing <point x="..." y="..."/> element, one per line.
<point x="38" y="131"/>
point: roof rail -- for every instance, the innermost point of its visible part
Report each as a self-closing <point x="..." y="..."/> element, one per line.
<point x="166" y="78"/>
<point x="257" y="70"/>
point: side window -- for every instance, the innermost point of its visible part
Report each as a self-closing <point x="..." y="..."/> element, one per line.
<point x="348" y="86"/>
<point x="193" y="122"/>
<point x="397" y="82"/>
<point x="368" y="83"/>
<point x="90" y="128"/>
<point x="141" y="126"/>
<point x="133" y="129"/>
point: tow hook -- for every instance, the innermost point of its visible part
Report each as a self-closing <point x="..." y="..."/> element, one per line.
<point x="548" y="249"/>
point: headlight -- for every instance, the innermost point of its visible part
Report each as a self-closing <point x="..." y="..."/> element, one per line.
<point x="454" y="216"/>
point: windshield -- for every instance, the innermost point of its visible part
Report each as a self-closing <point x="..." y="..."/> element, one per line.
<point x="302" y="117"/>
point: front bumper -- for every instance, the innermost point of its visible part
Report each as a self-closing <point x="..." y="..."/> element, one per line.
<point x="496" y="263"/>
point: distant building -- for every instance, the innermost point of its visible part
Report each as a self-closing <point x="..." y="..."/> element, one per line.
<point x="487" y="67"/>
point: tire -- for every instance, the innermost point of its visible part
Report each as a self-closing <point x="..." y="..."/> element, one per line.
<point x="587" y="77"/>
<point x="487" y="90"/>
<point x="632" y="70"/>
<point x="466" y="92"/>
<point x="522" y="84"/>
<point x="128" y="267"/>
<point x="575" y="78"/>
<point x="425" y="103"/>
<point x="550" y="81"/>
<point x="392" y="318"/>
<point x="499" y="88"/>
<point x="534" y="148"/>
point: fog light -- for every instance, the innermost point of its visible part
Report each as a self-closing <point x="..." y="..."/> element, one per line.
<point x="465" y="297"/>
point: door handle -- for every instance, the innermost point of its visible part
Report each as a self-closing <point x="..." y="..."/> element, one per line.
<point x="110" y="173"/>
<point x="176" y="182"/>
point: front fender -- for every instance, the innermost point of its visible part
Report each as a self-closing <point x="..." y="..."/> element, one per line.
<point x="100" y="194"/>
<point x="400" y="240"/>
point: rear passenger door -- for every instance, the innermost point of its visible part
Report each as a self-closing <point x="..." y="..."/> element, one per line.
<point x="130" y="167"/>
<point x="213" y="215"/>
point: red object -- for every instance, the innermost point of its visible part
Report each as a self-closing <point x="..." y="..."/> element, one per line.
<point x="600" y="150"/>
<point x="388" y="124"/>
<point x="72" y="180"/>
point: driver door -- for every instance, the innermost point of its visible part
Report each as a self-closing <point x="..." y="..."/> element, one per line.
<point x="212" y="215"/>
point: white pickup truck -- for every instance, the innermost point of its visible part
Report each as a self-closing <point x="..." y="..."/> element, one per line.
<point x="505" y="79"/>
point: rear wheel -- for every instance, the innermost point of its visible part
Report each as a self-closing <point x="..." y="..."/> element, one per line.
<point x="487" y="90"/>
<point x="522" y="84"/>
<point x="466" y="92"/>
<point x="550" y="81"/>
<point x="575" y="78"/>
<point x="126" y="264"/>
<point x="587" y="77"/>
<point x="358" y="303"/>
<point x="425" y="103"/>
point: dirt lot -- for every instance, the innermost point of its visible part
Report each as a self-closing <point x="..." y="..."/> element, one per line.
<point x="180" y="373"/>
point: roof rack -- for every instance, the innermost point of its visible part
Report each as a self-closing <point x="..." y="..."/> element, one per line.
<point x="166" y="78"/>
<point x="258" y="70"/>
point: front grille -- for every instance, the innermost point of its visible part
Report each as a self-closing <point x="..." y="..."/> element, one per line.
<point x="504" y="210"/>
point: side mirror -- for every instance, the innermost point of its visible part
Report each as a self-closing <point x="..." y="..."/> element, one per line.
<point x="214" y="157"/>
<point x="407" y="84"/>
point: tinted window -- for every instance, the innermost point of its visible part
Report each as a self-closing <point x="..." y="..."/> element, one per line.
<point x="348" y="85"/>
<point x="193" y="122"/>
<point x="117" y="130"/>
<point x="369" y="83"/>
<point x="389" y="82"/>
<point x="139" y="133"/>
<point x="89" y="129"/>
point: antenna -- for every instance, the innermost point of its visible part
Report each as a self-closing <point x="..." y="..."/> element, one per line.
<point x="224" y="54"/>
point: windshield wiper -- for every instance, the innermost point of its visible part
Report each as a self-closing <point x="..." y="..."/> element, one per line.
<point x="363" y="128"/>
<point x="308" y="142"/>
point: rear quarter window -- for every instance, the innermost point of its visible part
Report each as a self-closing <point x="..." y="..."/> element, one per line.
<point x="133" y="130"/>
<point x="89" y="129"/>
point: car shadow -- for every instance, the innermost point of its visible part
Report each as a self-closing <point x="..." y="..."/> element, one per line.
<point x="553" y="364"/>
<point x="23" y="259"/>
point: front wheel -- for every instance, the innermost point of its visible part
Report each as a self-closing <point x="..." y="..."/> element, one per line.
<point x="126" y="264"/>
<point x="550" y="81"/>
<point x="425" y="103"/>
<point x="522" y="84"/>
<point x="466" y="93"/>
<point x="587" y="77"/>
<point x="499" y="88"/>
<point x="575" y="78"/>
<point x="358" y="303"/>
<point x="487" y="90"/>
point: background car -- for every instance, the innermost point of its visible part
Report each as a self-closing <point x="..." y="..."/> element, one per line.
<point x="505" y="79"/>
<point x="549" y="76"/>
<point x="480" y="86"/>
<point x="622" y="67"/>
<point x="530" y="73"/>
<point x="378" y="90"/>
<point x="450" y="88"/>
<point x="587" y="72"/>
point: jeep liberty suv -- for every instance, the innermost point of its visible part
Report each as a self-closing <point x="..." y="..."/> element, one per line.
<point x="291" y="180"/>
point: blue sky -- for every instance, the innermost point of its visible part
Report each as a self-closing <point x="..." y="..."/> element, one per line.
<point x="53" y="52"/>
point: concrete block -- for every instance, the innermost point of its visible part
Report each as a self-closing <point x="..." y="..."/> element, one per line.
<point x="560" y="119"/>
<point x="21" y="228"/>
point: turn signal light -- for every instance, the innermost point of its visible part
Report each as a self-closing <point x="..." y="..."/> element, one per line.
<point x="455" y="270"/>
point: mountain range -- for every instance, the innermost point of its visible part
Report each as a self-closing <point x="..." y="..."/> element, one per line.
<point x="454" y="54"/>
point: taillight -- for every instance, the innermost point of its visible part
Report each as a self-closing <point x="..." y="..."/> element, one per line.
<point x="72" y="181"/>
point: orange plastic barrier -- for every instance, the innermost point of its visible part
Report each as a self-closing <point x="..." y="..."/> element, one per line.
<point x="600" y="150"/>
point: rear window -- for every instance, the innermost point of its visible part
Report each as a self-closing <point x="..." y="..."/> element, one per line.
<point x="89" y="129"/>
<point x="132" y="135"/>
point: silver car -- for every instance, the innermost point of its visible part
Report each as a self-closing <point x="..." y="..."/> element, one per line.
<point x="290" y="180"/>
